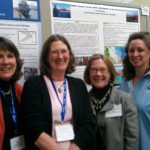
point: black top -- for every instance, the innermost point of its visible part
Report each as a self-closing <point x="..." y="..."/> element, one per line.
<point x="7" y="105"/>
<point x="99" y="94"/>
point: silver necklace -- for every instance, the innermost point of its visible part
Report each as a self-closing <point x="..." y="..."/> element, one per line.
<point x="5" y="93"/>
<point x="98" y="103"/>
<point x="60" y="88"/>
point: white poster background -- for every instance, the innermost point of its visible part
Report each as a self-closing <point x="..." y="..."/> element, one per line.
<point x="94" y="29"/>
<point x="25" y="36"/>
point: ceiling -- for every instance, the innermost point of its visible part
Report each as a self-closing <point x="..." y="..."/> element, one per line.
<point x="136" y="2"/>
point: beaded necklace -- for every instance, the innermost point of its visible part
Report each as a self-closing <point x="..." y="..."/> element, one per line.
<point x="99" y="103"/>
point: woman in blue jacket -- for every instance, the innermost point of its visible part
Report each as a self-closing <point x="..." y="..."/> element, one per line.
<point x="137" y="81"/>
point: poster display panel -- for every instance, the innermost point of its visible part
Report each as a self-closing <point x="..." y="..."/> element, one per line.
<point x="20" y="22"/>
<point x="92" y="28"/>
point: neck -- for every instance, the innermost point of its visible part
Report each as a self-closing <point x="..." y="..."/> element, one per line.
<point x="100" y="92"/>
<point x="140" y="71"/>
<point x="57" y="77"/>
<point x="138" y="75"/>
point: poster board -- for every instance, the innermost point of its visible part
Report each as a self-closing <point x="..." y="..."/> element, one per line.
<point x="20" y="22"/>
<point x="92" y="28"/>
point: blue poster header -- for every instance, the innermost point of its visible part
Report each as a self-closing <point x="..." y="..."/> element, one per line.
<point x="23" y="10"/>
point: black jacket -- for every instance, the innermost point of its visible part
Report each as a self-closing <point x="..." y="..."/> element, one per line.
<point x="37" y="111"/>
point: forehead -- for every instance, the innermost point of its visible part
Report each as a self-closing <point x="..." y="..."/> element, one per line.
<point x="137" y="42"/>
<point x="98" y="63"/>
<point x="58" y="45"/>
<point x="4" y="51"/>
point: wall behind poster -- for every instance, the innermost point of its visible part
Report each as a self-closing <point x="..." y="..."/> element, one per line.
<point x="20" y="22"/>
<point x="92" y="28"/>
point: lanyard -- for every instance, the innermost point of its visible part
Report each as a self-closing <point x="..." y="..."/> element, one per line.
<point x="12" y="110"/>
<point x="63" y="104"/>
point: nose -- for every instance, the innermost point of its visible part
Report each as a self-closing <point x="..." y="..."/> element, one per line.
<point x="59" y="54"/>
<point x="98" y="72"/>
<point x="135" y="53"/>
<point x="4" y="60"/>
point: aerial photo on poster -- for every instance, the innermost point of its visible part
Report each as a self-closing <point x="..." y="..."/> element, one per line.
<point x="25" y="9"/>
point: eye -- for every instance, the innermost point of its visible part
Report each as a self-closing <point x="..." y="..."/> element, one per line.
<point x="10" y="55"/>
<point x="64" y="51"/>
<point x="1" y="56"/>
<point x="54" y="52"/>
<point x="131" y="50"/>
<point x="140" y="50"/>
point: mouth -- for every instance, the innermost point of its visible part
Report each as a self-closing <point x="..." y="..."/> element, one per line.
<point x="4" y="69"/>
<point x="136" y="60"/>
<point x="98" y="79"/>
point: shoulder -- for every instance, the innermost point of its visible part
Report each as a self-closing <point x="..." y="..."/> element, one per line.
<point x="34" y="80"/>
<point x="121" y="94"/>
<point x="74" y="80"/>
<point x="18" y="90"/>
<point x="17" y="86"/>
<point x="124" y="86"/>
<point x="76" y="84"/>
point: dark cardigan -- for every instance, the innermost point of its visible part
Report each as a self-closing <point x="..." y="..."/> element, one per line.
<point x="37" y="111"/>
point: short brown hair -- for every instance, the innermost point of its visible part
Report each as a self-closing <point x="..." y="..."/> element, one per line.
<point x="107" y="61"/>
<point x="44" y="65"/>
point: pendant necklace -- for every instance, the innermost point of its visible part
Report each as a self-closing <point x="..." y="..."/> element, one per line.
<point x="60" y="88"/>
<point x="5" y="93"/>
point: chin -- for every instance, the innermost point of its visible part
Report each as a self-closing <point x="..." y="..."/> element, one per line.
<point x="99" y="86"/>
<point x="137" y="66"/>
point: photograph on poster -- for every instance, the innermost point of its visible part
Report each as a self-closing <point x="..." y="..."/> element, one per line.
<point x="61" y="10"/>
<point x="116" y="53"/>
<point x="119" y="77"/>
<point x="82" y="61"/>
<point x="29" y="72"/>
<point x="132" y="16"/>
<point x="25" y="9"/>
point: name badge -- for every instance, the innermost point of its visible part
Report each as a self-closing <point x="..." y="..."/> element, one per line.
<point x="64" y="132"/>
<point x="17" y="143"/>
<point x="115" y="112"/>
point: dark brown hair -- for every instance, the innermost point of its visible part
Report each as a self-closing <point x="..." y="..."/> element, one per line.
<point x="107" y="61"/>
<point x="45" y="68"/>
<point x="7" y="45"/>
<point x="129" y="70"/>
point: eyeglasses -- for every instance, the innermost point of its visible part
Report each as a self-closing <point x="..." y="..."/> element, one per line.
<point x="95" y="70"/>
<point x="58" y="52"/>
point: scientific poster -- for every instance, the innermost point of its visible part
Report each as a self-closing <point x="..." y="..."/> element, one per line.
<point x="92" y="28"/>
<point x="20" y="22"/>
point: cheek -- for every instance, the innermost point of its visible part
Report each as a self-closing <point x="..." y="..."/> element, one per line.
<point x="108" y="78"/>
<point x="90" y="76"/>
<point x="50" y="60"/>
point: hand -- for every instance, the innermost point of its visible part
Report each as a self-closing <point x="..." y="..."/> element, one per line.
<point x="73" y="146"/>
<point x="45" y="142"/>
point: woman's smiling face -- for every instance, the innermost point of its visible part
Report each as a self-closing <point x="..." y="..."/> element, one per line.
<point x="99" y="73"/>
